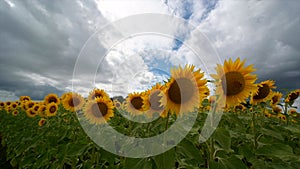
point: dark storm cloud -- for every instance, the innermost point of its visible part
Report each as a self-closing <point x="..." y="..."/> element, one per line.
<point x="44" y="38"/>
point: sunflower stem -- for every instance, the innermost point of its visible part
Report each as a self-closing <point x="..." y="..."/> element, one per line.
<point x="167" y="121"/>
<point x="286" y="114"/>
<point x="253" y="129"/>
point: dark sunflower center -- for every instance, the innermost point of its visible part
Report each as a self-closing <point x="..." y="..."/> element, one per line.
<point x="275" y="99"/>
<point x="52" y="99"/>
<point x="233" y="83"/>
<point x="1" y="104"/>
<point x="8" y="103"/>
<point x="14" y="105"/>
<point x="263" y="92"/>
<point x="36" y="108"/>
<point x="137" y="103"/>
<point x="73" y="102"/>
<point x="52" y="109"/>
<point x="31" y="112"/>
<point x="154" y="101"/>
<point x="30" y="105"/>
<point x="118" y="105"/>
<point x="42" y="122"/>
<point x="99" y="110"/>
<point x="181" y="90"/>
<point x="293" y="96"/>
<point x="25" y="99"/>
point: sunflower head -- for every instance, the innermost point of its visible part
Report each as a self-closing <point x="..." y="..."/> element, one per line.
<point x="117" y="104"/>
<point x="15" y="112"/>
<point x="234" y="82"/>
<point x="135" y="103"/>
<point x="64" y="95"/>
<point x="281" y="116"/>
<point x="276" y="98"/>
<point x="240" y="107"/>
<point x="2" y="105"/>
<point x="152" y="101"/>
<point x="97" y="93"/>
<point x="51" y="109"/>
<point x="29" y="104"/>
<point x="51" y="98"/>
<point x="42" y="121"/>
<point x="185" y="90"/>
<point x="292" y="96"/>
<point x="73" y="102"/>
<point x="24" y="98"/>
<point x="14" y="105"/>
<point x="36" y="108"/>
<point x="99" y="111"/>
<point x="264" y="92"/>
<point x="8" y="103"/>
<point x="42" y="110"/>
<point x="30" y="112"/>
<point x="277" y="110"/>
<point x="293" y="112"/>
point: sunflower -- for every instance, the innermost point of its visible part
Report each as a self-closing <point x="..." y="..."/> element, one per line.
<point x="234" y="82"/>
<point x="42" y="110"/>
<point x="29" y="104"/>
<point x="2" y="105"/>
<point x="8" y="103"/>
<point x="14" y="105"/>
<point x="36" y="108"/>
<point x="15" y="112"/>
<point x="63" y="96"/>
<point x="117" y="104"/>
<point x="8" y="109"/>
<point x="264" y="92"/>
<point x="97" y="93"/>
<point x="240" y="107"/>
<point x="184" y="91"/>
<point x="293" y="112"/>
<point x="24" y="98"/>
<point x="276" y="98"/>
<point x="73" y="102"/>
<point x="153" y="101"/>
<point x="292" y="96"/>
<point x="23" y="106"/>
<point x="135" y="103"/>
<point x="51" y="98"/>
<point x="277" y="109"/>
<point x="51" y="109"/>
<point x="30" y="112"/>
<point x="281" y="117"/>
<point x="42" y="121"/>
<point x="99" y="111"/>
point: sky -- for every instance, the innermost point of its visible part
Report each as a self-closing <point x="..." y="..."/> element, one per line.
<point x="41" y="42"/>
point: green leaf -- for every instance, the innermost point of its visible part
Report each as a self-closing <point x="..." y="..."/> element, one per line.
<point x="272" y="133"/>
<point x="188" y="150"/>
<point x="276" y="150"/>
<point x="222" y="137"/>
<point x="165" y="160"/>
<point x="140" y="163"/>
<point x="233" y="162"/>
<point x="246" y="150"/>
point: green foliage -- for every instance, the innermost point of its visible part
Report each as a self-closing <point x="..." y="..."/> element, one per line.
<point x="242" y="140"/>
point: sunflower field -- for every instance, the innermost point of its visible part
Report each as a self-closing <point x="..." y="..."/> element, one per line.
<point x="259" y="127"/>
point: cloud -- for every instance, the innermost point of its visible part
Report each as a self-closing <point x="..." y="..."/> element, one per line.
<point x="42" y="41"/>
<point x="263" y="32"/>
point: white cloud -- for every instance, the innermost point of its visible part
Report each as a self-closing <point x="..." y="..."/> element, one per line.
<point x="117" y="9"/>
